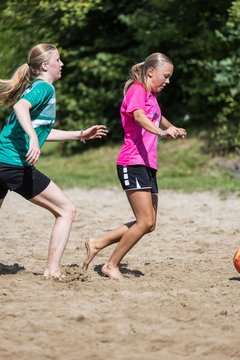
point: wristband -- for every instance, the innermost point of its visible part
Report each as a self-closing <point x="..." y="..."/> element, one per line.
<point x="161" y="133"/>
<point x="81" y="137"/>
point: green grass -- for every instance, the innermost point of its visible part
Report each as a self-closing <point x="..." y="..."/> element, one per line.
<point x="89" y="169"/>
<point x="182" y="166"/>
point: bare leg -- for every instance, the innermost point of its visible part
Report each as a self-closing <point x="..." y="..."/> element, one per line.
<point x="54" y="200"/>
<point x="93" y="246"/>
<point x="144" y="206"/>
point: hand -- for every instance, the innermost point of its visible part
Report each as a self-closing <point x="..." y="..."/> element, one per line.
<point x="181" y="132"/>
<point x="174" y="132"/>
<point x="34" y="152"/>
<point x="95" y="131"/>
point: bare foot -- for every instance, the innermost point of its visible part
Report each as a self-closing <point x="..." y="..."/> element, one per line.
<point x="112" y="272"/>
<point x="91" y="253"/>
<point x="53" y="275"/>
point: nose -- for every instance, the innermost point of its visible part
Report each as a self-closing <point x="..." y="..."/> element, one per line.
<point x="167" y="81"/>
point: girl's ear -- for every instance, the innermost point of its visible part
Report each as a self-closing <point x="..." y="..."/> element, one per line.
<point x="150" y="72"/>
<point x="44" y="66"/>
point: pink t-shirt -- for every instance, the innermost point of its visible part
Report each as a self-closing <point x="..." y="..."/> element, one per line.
<point x="140" y="146"/>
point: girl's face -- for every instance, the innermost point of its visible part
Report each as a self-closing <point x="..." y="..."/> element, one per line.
<point x="159" y="77"/>
<point x="54" y="66"/>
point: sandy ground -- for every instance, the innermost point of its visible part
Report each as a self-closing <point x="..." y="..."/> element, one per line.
<point x="180" y="298"/>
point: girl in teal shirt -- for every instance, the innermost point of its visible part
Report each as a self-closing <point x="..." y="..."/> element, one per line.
<point x="27" y="128"/>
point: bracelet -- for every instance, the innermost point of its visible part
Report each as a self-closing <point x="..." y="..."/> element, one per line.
<point x="161" y="133"/>
<point x="81" y="137"/>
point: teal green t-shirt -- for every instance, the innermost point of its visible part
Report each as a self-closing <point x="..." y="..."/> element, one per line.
<point x="14" y="142"/>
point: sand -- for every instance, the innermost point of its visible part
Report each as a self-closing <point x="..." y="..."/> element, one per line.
<point x="180" y="298"/>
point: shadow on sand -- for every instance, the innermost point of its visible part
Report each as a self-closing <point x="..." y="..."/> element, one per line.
<point x="123" y="268"/>
<point x="235" y="278"/>
<point x="10" y="269"/>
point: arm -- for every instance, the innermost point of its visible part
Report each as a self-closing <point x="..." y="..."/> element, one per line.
<point x="165" y="124"/>
<point x="142" y="120"/>
<point x="168" y="129"/>
<point x="96" y="131"/>
<point x="22" y="111"/>
<point x="61" y="135"/>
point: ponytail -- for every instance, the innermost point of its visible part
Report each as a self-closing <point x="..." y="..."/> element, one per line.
<point x="12" y="88"/>
<point x="136" y="75"/>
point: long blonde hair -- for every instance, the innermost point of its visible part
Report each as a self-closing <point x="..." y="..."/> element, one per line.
<point x="25" y="74"/>
<point x="138" y="72"/>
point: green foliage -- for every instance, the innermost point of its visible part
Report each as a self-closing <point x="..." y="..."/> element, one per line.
<point x="184" y="30"/>
<point x="91" y="48"/>
<point x="226" y="95"/>
<point x="99" y="40"/>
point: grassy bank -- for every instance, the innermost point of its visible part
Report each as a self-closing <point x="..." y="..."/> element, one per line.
<point x="182" y="166"/>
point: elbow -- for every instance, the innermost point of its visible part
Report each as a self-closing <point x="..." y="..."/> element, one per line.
<point x="16" y="107"/>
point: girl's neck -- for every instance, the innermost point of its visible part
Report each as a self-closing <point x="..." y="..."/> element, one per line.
<point x="44" y="77"/>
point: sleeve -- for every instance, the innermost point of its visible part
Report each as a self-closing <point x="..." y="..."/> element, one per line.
<point x="39" y="95"/>
<point x="135" y="98"/>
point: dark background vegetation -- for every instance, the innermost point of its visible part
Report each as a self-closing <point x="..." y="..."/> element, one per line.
<point x="99" y="40"/>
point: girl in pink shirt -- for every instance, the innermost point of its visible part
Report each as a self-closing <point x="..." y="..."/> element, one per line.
<point x="143" y="123"/>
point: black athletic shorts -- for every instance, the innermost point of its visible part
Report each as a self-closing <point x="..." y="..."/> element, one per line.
<point x="25" y="180"/>
<point x="137" y="177"/>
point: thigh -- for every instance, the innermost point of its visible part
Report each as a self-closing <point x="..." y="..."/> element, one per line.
<point x="143" y="203"/>
<point x="155" y="206"/>
<point x="52" y="199"/>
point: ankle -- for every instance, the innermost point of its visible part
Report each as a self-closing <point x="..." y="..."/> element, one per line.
<point x="110" y="265"/>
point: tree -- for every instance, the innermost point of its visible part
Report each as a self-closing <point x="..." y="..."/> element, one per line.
<point x="89" y="37"/>
<point x="99" y="40"/>
<point x="226" y="95"/>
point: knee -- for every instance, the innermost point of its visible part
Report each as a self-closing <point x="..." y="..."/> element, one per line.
<point x="152" y="227"/>
<point x="149" y="226"/>
<point x="73" y="211"/>
<point x="69" y="210"/>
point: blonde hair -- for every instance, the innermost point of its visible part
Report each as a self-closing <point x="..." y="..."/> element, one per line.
<point x="25" y="74"/>
<point x="138" y="72"/>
